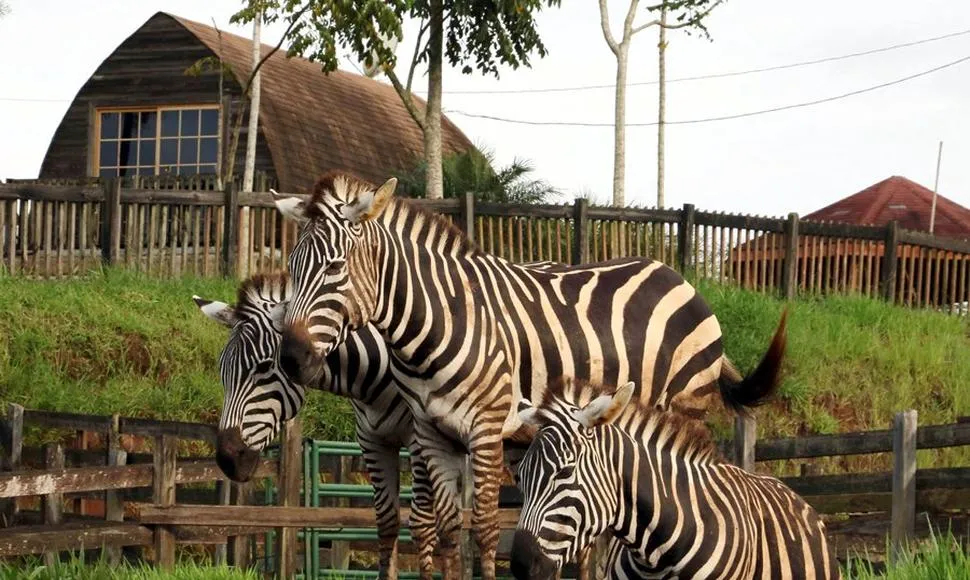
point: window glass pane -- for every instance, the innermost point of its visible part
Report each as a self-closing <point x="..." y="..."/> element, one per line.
<point x="146" y="171"/>
<point x="129" y="125"/>
<point x="169" y="153"/>
<point x="109" y="125"/>
<point x="170" y="123"/>
<point x="210" y="121"/>
<point x="148" y="120"/>
<point x="166" y="170"/>
<point x="208" y="150"/>
<point x="188" y="169"/>
<point x="126" y="171"/>
<point x="109" y="154"/>
<point x="129" y="153"/>
<point x="190" y="122"/>
<point x="112" y="172"/>
<point x="146" y="152"/>
<point x="188" y="151"/>
<point x="208" y="169"/>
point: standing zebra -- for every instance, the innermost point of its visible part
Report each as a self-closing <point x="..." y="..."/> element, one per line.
<point x="471" y="334"/>
<point x="259" y="398"/>
<point x="652" y="479"/>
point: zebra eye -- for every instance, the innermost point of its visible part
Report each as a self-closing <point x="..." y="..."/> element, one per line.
<point x="567" y="472"/>
<point x="333" y="267"/>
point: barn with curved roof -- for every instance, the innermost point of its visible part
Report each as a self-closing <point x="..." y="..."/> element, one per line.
<point x="142" y="113"/>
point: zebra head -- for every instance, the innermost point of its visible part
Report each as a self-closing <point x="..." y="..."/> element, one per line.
<point x="568" y="490"/>
<point x="333" y="279"/>
<point x="258" y="397"/>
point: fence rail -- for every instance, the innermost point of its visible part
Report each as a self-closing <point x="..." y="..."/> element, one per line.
<point x="62" y="230"/>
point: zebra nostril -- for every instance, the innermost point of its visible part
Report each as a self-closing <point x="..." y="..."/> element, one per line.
<point x="236" y="459"/>
<point x="527" y="561"/>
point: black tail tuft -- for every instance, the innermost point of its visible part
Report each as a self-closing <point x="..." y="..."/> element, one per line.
<point x="741" y="393"/>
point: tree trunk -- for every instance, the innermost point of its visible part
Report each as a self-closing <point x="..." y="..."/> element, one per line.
<point x="253" y="129"/>
<point x="619" y="129"/>
<point x="662" y="105"/>
<point x="434" y="189"/>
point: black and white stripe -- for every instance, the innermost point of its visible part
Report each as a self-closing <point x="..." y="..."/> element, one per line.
<point x="471" y="334"/>
<point x="258" y="398"/>
<point x="653" y="481"/>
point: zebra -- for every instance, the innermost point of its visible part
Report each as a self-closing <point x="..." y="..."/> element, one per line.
<point x="652" y="479"/>
<point x="258" y="398"/>
<point x="472" y="333"/>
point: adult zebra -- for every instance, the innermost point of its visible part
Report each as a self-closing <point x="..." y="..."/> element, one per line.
<point x="471" y="333"/>
<point x="259" y="398"/>
<point x="651" y="478"/>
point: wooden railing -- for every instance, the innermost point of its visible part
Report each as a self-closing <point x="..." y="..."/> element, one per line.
<point x="61" y="230"/>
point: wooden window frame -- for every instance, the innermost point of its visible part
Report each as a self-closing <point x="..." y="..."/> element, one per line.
<point x="96" y="139"/>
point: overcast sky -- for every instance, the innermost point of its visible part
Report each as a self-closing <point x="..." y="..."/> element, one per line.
<point x="770" y="164"/>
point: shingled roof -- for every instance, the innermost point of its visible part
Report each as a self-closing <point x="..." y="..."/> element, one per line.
<point x="314" y="122"/>
<point x="898" y="198"/>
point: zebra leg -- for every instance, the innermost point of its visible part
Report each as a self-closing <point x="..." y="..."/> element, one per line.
<point x="443" y="462"/>
<point x="383" y="467"/>
<point x="421" y="520"/>
<point x="486" y="451"/>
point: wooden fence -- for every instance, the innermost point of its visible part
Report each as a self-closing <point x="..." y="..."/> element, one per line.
<point x="169" y="515"/>
<point x="62" y="230"/>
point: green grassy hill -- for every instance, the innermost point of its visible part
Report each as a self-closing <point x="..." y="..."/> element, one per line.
<point x="123" y="343"/>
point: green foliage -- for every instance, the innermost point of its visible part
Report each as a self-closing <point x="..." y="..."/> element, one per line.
<point x="943" y="557"/>
<point x="478" y="34"/>
<point x="473" y="170"/>
<point x="76" y="568"/>
<point x="687" y="14"/>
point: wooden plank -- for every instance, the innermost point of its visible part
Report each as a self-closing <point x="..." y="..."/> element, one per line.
<point x="72" y="421"/>
<point x="840" y="230"/>
<point x="278" y="516"/>
<point x="928" y="240"/>
<point x="14" y="445"/>
<point x="745" y="435"/>
<point x="53" y="503"/>
<point x="114" y="509"/>
<point x="904" y="481"/>
<point x="291" y="475"/>
<point x="38" y="192"/>
<point x="154" y="428"/>
<point x="72" y="536"/>
<point x="163" y="494"/>
<point x="740" y="222"/>
<point x="927" y="437"/>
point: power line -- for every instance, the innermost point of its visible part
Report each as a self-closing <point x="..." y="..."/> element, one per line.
<point x="721" y="118"/>
<point x="29" y="100"/>
<point x="713" y="75"/>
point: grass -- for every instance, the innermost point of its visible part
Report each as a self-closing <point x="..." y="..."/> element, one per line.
<point x="942" y="558"/>
<point x="76" y="568"/>
<point x="121" y="342"/>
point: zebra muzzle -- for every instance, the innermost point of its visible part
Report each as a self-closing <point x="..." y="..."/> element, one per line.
<point x="527" y="560"/>
<point x="236" y="459"/>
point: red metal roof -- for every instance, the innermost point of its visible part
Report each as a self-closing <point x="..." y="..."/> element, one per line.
<point x="900" y="199"/>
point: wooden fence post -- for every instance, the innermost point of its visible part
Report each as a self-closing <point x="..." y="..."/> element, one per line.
<point x="888" y="282"/>
<point x="163" y="493"/>
<point x="745" y="437"/>
<point x="15" y="445"/>
<point x="580" y="231"/>
<point x="290" y="480"/>
<point x="230" y="231"/>
<point x="685" y="238"/>
<point x="223" y="495"/>
<point x="238" y="546"/>
<point x="114" y="509"/>
<point x="904" y="481"/>
<point x="340" y="551"/>
<point x="467" y="501"/>
<point x="53" y="502"/>
<point x="468" y="215"/>
<point x="789" y="276"/>
<point x="111" y="222"/>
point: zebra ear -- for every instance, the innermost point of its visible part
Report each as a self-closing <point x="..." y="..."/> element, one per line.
<point x="277" y="315"/>
<point x="218" y="311"/>
<point x="605" y="408"/>
<point x="370" y="205"/>
<point x="529" y="415"/>
<point x="291" y="207"/>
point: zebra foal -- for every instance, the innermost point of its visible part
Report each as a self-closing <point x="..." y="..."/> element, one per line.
<point x="652" y="479"/>
<point x="259" y="398"/>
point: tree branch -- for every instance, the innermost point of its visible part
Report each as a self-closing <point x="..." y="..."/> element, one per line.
<point x="628" y="21"/>
<point x="405" y="95"/>
<point x="259" y="65"/>
<point x="696" y="19"/>
<point x="647" y="25"/>
<point x="605" y="24"/>
<point x="417" y="52"/>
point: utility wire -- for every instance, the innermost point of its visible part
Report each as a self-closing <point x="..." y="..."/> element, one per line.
<point x="721" y="118"/>
<point x="713" y="75"/>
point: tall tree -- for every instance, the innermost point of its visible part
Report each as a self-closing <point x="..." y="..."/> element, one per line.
<point x="473" y="34"/>
<point x="4" y="8"/>
<point x="688" y="14"/>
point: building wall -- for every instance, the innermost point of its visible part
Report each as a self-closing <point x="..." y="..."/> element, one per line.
<point x="147" y="69"/>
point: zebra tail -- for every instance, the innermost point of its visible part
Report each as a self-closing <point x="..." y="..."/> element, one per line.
<point x="740" y="393"/>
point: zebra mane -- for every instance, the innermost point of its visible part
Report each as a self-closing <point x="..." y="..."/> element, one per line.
<point x="640" y="420"/>
<point x="260" y="288"/>
<point x="347" y="187"/>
